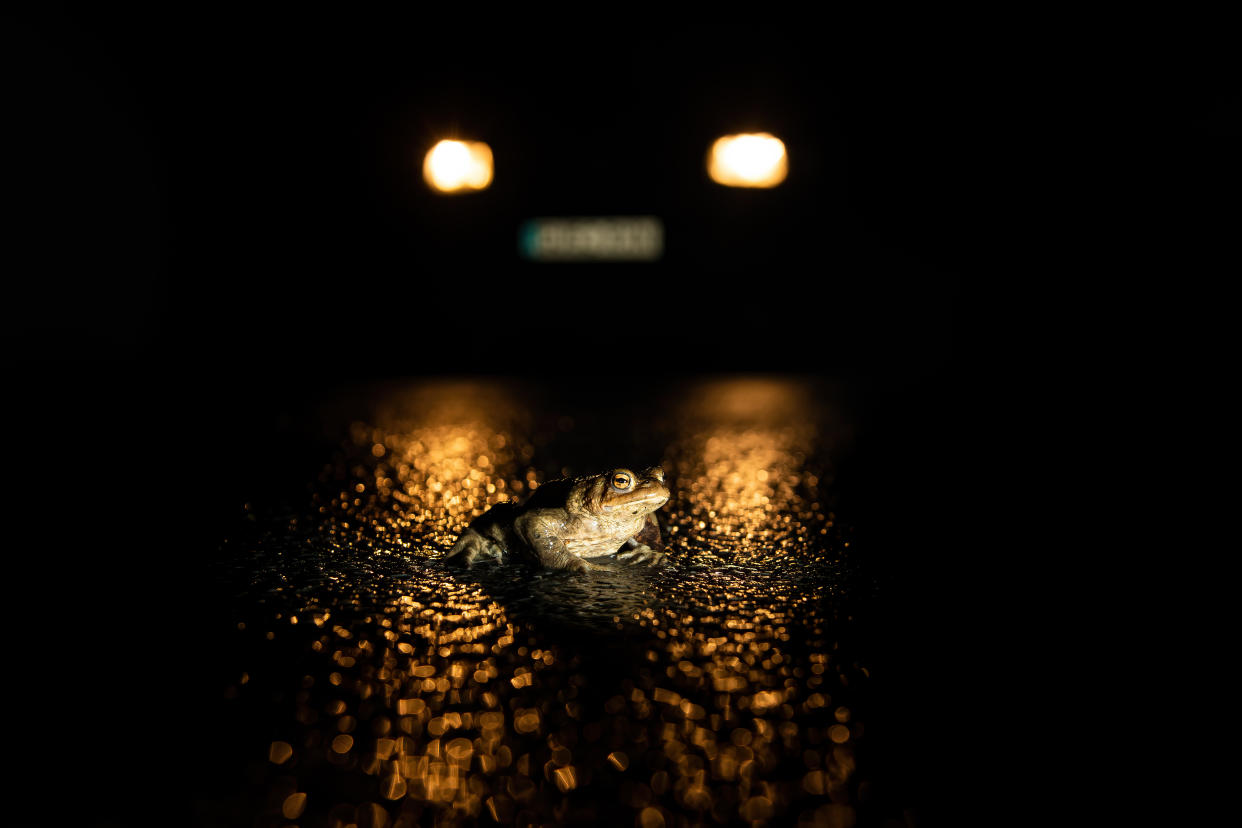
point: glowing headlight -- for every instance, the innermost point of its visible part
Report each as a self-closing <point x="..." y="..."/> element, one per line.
<point x="749" y="160"/>
<point x="456" y="166"/>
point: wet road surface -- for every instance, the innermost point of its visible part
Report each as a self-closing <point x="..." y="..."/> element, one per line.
<point x="358" y="681"/>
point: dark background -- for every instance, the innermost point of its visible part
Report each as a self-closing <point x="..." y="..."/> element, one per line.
<point x="217" y="218"/>
<point x="246" y="191"/>
<point x="222" y="218"/>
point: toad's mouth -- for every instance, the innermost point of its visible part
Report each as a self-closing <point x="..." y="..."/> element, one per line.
<point x="634" y="505"/>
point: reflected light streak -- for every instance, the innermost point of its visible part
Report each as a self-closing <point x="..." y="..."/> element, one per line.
<point x="741" y="472"/>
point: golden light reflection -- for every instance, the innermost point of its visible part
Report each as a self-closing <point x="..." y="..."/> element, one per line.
<point x="748" y="160"/>
<point x="458" y="166"/>
<point x="293" y="805"/>
<point x="742" y="476"/>
<point x="428" y="474"/>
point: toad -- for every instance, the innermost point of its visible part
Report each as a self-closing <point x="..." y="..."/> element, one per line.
<point x="567" y="524"/>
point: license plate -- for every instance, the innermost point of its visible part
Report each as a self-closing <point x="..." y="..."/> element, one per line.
<point x="592" y="239"/>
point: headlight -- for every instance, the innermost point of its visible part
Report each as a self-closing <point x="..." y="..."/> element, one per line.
<point x="457" y="166"/>
<point x="748" y="160"/>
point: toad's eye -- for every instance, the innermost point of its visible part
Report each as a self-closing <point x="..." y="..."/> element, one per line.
<point x="621" y="481"/>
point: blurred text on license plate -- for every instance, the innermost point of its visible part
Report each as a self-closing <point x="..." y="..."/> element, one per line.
<point x="592" y="238"/>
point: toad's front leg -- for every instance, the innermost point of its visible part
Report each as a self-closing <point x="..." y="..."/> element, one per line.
<point x="542" y="538"/>
<point x="640" y="553"/>
<point x="644" y="547"/>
